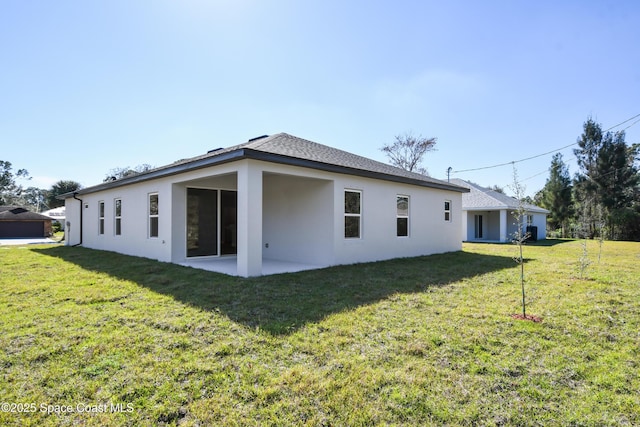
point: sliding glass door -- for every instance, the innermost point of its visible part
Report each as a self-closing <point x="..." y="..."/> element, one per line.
<point x="228" y="221"/>
<point x="202" y="222"/>
<point x="211" y="222"/>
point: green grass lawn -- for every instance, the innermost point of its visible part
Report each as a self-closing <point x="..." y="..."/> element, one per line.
<point x="419" y="341"/>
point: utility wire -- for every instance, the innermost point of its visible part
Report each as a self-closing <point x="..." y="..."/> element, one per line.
<point x="548" y="152"/>
<point x="545" y="171"/>
<point x="628" y="120"/>
<point x="630" y="125"/>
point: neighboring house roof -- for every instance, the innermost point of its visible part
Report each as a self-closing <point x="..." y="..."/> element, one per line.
<point x="286" y="149"/>
<point x="16" y="213"/>
<point x="481" y="198"/>
<point x="55" y="213"/>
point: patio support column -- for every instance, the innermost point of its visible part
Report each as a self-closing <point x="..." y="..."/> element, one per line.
<point x="503" y="226"/>
<point x="249" y="219"/>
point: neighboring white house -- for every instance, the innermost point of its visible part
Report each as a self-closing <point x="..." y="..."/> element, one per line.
<point x="487" y="215"/>
<point x="57" y="215"/>
<point x="275" y="203"/>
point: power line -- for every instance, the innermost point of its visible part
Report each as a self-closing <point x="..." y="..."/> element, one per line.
<point x="628" y="120"/>
<point x="516" y="161"/>
<point x="533" y="176"/>
<point x="548" y="152"/>
<point x="630" y="125"/>
<point x="544" y="171"/>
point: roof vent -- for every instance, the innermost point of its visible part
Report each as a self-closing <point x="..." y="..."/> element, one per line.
<point x="214" y="150"/>
<point x="257" y="138"/>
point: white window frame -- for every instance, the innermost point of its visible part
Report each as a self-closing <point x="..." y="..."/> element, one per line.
<point x="101" y="217"/>
<point x="529" y="220"/>
<point x="153" y="216"/>
<point x="402" y="216"/>
<point x="353" y="215"/>
<point x="117" y="217"/>
<point x="447" y="212"/>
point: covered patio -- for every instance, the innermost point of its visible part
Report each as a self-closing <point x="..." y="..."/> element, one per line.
<point x="252" y="221"/>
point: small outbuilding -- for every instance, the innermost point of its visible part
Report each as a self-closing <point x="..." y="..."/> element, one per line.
<point x="18" y="222"/>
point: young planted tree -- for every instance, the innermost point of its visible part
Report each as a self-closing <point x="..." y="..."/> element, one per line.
<point x="407" y="151"/>
<point x="583" y="232"/>
<point x="520" y="236"/>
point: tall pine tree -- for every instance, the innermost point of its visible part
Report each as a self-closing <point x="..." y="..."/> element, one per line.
<point x="556" y="194"/>
<point x="606" y="189"/>
<point x="585" y="194"/>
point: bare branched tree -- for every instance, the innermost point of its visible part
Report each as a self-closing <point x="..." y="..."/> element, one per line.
<point x="119" y="173"/>
<point x="407" y="151"/>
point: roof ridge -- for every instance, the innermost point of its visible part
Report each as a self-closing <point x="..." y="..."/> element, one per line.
<point x="260" y="141"/>
<point x="397" y="169"/>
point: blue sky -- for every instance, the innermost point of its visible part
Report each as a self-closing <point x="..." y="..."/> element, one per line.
<point x="87" y="86"/>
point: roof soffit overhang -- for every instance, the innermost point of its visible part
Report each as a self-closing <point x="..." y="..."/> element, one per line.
<point x="328" y="167"/>
<point x="162" y="172"/>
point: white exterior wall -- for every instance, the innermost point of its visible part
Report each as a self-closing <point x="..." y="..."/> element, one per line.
<point x="250" y="202"/>
<point x="429" y="233"/>
<point x="492" y="230"/>
<point x="298" y="219"/>
<point x="307" y="232"/>
<point x="468" y="219"/>
<point x="540" y="221"/>
<point x="72" y="222"/>
<point x="134" y="239"/>
<point x="512" y="225"/>
<point x="170" y="245"/>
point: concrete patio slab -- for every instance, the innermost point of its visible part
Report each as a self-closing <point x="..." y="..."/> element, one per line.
<point x="229" y="265"/>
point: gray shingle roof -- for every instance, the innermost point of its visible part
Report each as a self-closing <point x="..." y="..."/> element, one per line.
<point x="16" y="213"/>
<point x="294" y="147"/>
<point x="480" y="198"/>
<point x="287" y="149"/>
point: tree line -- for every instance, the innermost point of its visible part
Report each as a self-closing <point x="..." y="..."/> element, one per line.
<point x="602" y="200"/>
<point x="13" y="193"/>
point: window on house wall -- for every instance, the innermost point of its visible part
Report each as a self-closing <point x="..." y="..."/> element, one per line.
<point x="352" y="214"/>
<point x="447" y="210"/>
<point x="153" y="215"/>
<point x="402" y="216"/>
<point x="118" y="217"/>
<point x="101" y="217"/>
<point x="529" y="220"/>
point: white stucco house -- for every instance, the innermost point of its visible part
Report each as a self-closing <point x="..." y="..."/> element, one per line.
<point x="488" y="215"/>
<point x="273" y="204"/>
